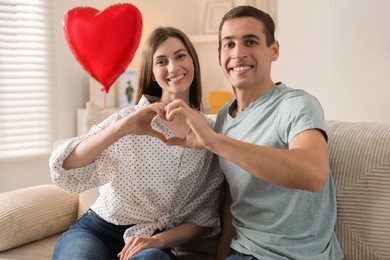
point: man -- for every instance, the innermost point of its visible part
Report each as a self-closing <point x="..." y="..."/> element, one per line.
<point x="272" y="147"/>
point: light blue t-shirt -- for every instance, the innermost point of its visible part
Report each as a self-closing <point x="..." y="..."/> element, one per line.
<point x="273" y="222"/>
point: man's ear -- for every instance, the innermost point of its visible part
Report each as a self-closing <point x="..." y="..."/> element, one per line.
<point x="275" y="48"/>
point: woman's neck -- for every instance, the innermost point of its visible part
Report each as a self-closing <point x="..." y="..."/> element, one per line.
<point x="168" y="98"/>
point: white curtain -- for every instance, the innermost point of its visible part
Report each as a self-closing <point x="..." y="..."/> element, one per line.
<point x="26" y="77"/>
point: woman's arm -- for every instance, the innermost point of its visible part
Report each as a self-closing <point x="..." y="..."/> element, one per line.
<point x="138" y="123"/>
<point x="166" y="239"/>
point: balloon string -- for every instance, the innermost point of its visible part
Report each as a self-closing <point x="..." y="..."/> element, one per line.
<point x="105" y="100"/>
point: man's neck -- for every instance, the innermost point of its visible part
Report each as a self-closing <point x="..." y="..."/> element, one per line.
<point x="245" y="97"/>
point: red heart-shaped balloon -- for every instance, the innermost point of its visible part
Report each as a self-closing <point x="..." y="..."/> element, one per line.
<point x="103" y="42"/>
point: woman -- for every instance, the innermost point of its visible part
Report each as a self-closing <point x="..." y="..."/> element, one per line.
<point x="152" y="197"/>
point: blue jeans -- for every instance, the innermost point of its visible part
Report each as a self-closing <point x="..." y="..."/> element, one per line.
<point x="154" y="254"/>
<point x="234" y="255"/>
<point x="91" y="237"/>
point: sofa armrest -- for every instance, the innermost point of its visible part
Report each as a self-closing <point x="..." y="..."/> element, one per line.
<point x="34" y="213"/>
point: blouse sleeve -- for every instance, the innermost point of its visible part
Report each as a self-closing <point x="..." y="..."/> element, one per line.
<point x="99" y="172"/>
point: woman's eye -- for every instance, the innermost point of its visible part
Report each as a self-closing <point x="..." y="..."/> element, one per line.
<point x="181" y="56"/>
<point x="160" y="62"/>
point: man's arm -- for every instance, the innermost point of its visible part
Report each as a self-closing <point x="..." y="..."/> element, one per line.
<point x="303" y="166"/>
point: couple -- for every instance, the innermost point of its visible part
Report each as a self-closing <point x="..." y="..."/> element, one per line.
<point x="159" y="163"/>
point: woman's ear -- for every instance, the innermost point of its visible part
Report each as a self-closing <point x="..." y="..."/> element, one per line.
<point x="219" y="56"/>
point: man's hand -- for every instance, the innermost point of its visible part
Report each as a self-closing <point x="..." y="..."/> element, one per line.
<point x="137" y="244"/>
<point x="199" y="134"/>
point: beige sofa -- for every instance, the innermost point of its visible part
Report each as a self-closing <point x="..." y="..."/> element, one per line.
<point x="32" y="219"/>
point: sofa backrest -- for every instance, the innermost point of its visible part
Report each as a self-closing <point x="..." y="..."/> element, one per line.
<point x="359" y="157"/>
<point x="360" y="162"/>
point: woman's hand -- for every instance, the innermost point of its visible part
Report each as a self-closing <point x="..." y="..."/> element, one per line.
<point x="139" y="123"/>
<point x="166" y="239"/>
<point x="137" y="244"/>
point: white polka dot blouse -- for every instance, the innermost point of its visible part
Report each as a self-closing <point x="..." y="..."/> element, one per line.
<point x="145" y="183"/>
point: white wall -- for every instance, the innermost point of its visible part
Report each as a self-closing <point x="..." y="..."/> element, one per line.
<point x="337" y="50"/>
<point x="340" y="52"/>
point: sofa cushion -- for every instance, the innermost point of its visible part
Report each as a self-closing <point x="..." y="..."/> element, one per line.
<point x="96" y="114"/>
<point x="360" y="162"/>
<point x="34" y="213"/>
<point x="38" y="250"/>
<point x="86" y="199"/>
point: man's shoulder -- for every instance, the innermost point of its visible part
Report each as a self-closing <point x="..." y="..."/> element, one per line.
<point x="295" y="97"/>
<point x="289" y="92"/>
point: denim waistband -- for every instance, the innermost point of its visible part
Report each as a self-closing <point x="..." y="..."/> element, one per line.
<point x="234" y="252"/>
<point x="92" y="214"/>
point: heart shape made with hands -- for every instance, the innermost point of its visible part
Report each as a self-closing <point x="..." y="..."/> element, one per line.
<point x="177" y="126"/>
<point x="103" y="42"/>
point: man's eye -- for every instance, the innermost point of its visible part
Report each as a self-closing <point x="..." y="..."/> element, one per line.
<point x="228" y="45"/>
<point x="251" y="43"/>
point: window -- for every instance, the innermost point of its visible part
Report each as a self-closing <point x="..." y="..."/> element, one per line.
<point x="26" y="74"/>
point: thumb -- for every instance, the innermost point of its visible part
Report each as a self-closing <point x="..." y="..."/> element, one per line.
<point x="175" y="141"/>
<point x="158" y="135"/>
